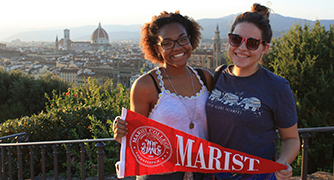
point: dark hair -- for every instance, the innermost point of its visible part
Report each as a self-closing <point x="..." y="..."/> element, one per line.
<point x="149" y="33"/>
<point x="259" y="16"/>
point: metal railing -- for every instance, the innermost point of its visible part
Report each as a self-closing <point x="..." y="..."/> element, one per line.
<point x="304" y="133"/>
<point x="4" y="172"/>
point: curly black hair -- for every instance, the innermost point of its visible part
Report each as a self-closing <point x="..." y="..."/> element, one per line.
<point x="149" y="33"/>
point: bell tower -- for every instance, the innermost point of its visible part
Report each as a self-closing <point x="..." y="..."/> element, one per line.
<point x="57" y="43"/>
<point x="217" y="56"/>
<point x="67" y="39"/>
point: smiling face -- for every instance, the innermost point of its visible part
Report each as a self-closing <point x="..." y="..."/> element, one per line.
<point x="246" y="61"/>
<point x="178" y="55"/>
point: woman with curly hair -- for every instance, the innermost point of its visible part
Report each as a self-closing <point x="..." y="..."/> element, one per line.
<point x="173" y="93"/>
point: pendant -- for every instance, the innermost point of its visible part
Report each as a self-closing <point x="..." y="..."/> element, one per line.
<point x="191" y="125"/>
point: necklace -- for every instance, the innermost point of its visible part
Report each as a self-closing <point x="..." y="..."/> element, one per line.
<point x="191" y="125"/>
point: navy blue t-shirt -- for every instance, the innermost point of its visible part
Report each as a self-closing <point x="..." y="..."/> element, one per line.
<point x="243" y="112"/>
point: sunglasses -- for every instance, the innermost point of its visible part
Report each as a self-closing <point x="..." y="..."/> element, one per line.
<point x="252" y="44"/>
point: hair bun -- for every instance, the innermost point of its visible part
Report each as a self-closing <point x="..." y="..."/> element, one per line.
<point x="260" y="9"/>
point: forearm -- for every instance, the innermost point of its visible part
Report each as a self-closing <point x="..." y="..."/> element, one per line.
<point x="289" y="149"/>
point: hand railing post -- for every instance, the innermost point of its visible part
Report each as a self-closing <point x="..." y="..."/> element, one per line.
<point x="100" y="154"/>
<point x="55" y="161"/>
<point x="19" y="158"/>
<point x="82" y="152"/>
<point x="10" y="165"/>
<point x="305" y="138"/>
<point x="31" y="154"/>
<point x="43" y="161"/>
<point x="19" y="163"/>
<point x="3" y="168"/>
<point x="68" y="155"/>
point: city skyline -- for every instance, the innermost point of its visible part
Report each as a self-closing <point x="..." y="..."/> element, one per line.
<point x="24" y="15"/>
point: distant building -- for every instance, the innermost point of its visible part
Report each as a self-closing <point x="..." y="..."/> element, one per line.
<point x="122" y="71"/>
<point x="9" y="53"/>
<point x="2" y="46"/>
<point x="209" y="59"/>
<point x="83" y="78"/>
<point x="69" y="75"/>
<point x="99" y="41"/>
<point x="47" y="63"/>
<point x="201" y="59"/>
<point x="217" y="53"/>
<point x="80" y="76"/>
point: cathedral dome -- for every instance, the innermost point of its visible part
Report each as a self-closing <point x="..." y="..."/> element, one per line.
<point x="100" y="36"/>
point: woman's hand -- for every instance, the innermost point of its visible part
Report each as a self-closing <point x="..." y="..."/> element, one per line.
<point x="284" y="174"/>
<point x="120" y="129"/>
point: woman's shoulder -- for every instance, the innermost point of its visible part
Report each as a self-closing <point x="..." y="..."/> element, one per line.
<point x="145" y="83"/>
<point x="274" y="78"/>
<point x="275" y="82"/>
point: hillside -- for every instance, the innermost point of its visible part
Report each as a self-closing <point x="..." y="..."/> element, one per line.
<point x="131" y="32"/>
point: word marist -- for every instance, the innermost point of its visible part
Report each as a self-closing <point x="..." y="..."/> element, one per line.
<point x="208" y="157"/>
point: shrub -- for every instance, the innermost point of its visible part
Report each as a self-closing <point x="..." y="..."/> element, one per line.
<point x="79" y="113"/>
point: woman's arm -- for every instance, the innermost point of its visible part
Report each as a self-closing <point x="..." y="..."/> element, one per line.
<point x="142" y="95"/>
<point x="290" y="145"/>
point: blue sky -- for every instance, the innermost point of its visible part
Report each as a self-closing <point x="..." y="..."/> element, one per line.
<point x="21" y="15"/>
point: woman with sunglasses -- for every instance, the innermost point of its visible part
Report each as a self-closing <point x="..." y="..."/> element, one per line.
<point x="248" y="102"/>
<point x="173" y="93"/>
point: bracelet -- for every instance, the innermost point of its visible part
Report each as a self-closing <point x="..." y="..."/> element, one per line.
<point x="286" y="163"/>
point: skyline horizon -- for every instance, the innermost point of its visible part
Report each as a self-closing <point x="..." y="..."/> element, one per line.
<point x="41" y="15"/>
<point x="120" y="29"/>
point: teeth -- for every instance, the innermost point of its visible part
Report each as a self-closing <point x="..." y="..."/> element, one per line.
<point x="179" y="55"/>
<point x="241" y="56"/>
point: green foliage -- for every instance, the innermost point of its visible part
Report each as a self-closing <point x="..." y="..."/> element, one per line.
<point x="227" y="58"/>
<point x="297" y="164"/>
<point x="99" y="130"/>
<point x="304" y="56"/>
<point x="23" y="95"/>
<point x="79" y="113"/>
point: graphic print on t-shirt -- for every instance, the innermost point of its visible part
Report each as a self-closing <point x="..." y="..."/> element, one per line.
<point x="237" y="103"/>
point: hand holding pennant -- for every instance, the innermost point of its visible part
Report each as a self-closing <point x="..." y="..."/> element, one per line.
<point x="153" y="148"/>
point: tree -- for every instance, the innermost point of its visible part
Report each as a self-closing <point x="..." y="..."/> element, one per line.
<point x="304" y="56"/>
<point x="23" y="95"/>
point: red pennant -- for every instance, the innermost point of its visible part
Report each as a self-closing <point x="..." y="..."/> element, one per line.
<point x="152" y="148"/>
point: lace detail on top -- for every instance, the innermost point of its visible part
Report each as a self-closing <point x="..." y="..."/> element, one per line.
<point x="163" y="89"/>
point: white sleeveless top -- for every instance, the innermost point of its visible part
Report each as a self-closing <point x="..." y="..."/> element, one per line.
<point x="170" y="111"/>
